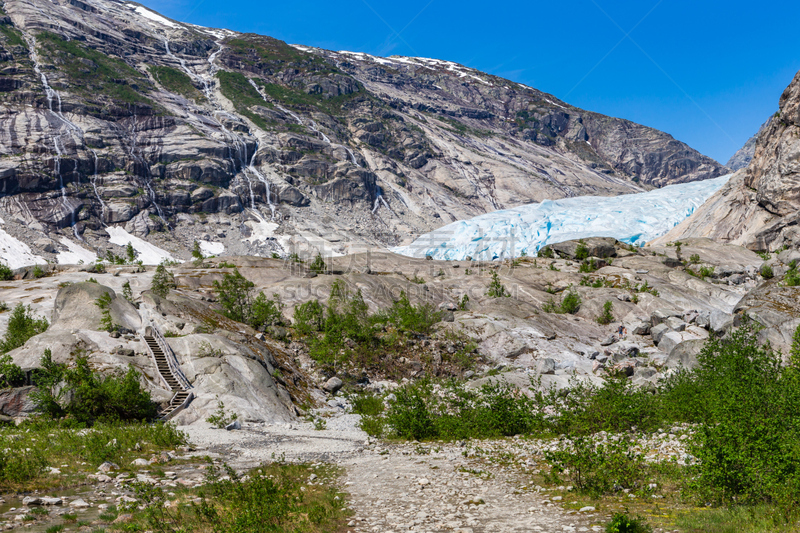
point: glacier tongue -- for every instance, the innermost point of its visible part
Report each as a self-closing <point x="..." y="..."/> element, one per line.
<point x="631" y="218"/>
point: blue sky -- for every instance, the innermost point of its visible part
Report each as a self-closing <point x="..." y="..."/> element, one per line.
<point x="708" y="72"/>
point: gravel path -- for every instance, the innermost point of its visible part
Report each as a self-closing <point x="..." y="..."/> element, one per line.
<point x="403" y="487"/>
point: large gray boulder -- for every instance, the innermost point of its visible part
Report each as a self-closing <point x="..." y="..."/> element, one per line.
<point x="75" y="308"/>
<point x="596" y="246"/>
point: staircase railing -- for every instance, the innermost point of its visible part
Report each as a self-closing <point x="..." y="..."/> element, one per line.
<point x="172" y="361"/>
<point x="155" y="364"/>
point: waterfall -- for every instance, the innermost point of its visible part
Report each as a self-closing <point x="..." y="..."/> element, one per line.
<point x="352" y="156"/>
<point x="96" y="193"/>
<point x="263" y="180"/>
<point x="146" y="168"/>
<point x="380" y="200"/>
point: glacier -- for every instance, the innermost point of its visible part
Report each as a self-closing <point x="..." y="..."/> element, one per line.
<point x="508" y="233"/>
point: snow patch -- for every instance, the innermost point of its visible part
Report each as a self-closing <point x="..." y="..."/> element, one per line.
<point x="155" y="17"/>
<point x="76" y="253"/>
<point x="16" y="253"/>
<point x="211" y="248"/>
<point x="146" y="252"/>
<point x="630" y="218"/>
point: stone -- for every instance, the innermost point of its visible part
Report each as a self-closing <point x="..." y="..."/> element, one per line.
<point x="675" y="323"/>
<point x="641" y="328"/>
<point x="108" y="467"/>
<point x="423" y="482"/>
<point x="79" y="503"/>
<point x="658" y="331"/>
<point x="332" y="385"/>
<point x="448" y="316"/>
<point x="587" y="509"/>
<point x="140" y="462"/>
<point x="608" y="341"/>
<point x="546" y="366"/>
<point x="660" y="316"/>
<point x="234" y="425"/>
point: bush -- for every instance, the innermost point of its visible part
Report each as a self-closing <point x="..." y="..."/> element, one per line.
<point x="87" y="397"/>
<point x="318" y="265"/>
<point x="607" y="316"/>
<point x="588" y="266"/>
<point x="497" y="289"/>
<point x="221" y="418"/>
<point x="410" y="318"/>
<point x="6" y="273"/>
<point x="766" y="272"/>
<point x="163" y="281"/>
<point x="622" y="523"/>
<point x="22" y="325"/>
<point x="265" y="312"/>
<point x="596" y="469"/>
<point x="234" y="295"/>
<point x="127" y="293"/>
<point x="130" y="253"/>
<point x="582" y="251"/>
<point x="546" y="252"/>
<point x="571" y="303"/>
<point x="309" y="317"/>
<point x="367" y="405"/>
<point x="792" y="278"/>
<point x="11" y="375"/>
<point x="104" y="303"/>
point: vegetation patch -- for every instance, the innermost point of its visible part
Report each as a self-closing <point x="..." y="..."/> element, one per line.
<point x="176" y="81"/>
<point x="242" y="95"/>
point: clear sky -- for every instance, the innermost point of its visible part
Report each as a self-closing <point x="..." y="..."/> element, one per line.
<point x="708" y="72"/>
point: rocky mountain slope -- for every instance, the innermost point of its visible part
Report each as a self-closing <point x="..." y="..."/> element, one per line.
<point x="111" y="114"/>
<point x="758" y="207"/>
<point x="743" y="156"/>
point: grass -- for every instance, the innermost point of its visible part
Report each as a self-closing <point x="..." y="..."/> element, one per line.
<point x="94" y="73"/>
<point x="26" y="451"/>
<point x="275" y="498"/>
<point x="242" y="95"/>
<point x="176" y="81"/>
<point x="12" y="36"/>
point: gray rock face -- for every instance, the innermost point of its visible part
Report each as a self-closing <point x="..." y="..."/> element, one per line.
<point x="209" y="146"/>
<point x="75" y="308"/>
<point x="599" y="247"/>
<point x="333" y="385"/>
<point x="743" y="156"/>
<point x="758" y="207"/>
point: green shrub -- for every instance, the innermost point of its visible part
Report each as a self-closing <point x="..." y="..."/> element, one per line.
<point x="571" y="302"/>
<point x="22" y="325"/>
<point x="463" y="302"/>
<point x="582" y="251"/>
<point x="318" y="265"/>
<point x="694" y="259"/>
<point x="265" y="312"/>
<point x="86" y="396"/>
<point x="588" y="266"/>
<point x="5" y="272"/>
<point x="234" y="294"/>
<point x="792" y="278"/>
<point x="607" y="317"/>
<point x="104" y="303"/>
<point x="11" y="375"/>
<point x="596" y="469"/>
<point x="546" y="252"/>
<point x="497" y="289"/>
<point x="367" y="405"/>
<point x="622" y="523"/>
<point x="766" y="272"/>
<point x="309" y="317"/>
<point x="220" y="417"/>
<point x="410" y="318"/>
<point x="130" y="252"/>
<point x="127" y="293"/>
<point x="163" y="281"/>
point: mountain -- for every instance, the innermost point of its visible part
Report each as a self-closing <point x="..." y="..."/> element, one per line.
<point x="758" y="207"/>
<point x="744" y="155"/>
<point x="111" y="114"/>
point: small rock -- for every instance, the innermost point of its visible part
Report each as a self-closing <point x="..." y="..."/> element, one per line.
<point x="611" y="339"/>
<point x="332" y="385"/>
<point x="557" y="498"/>
<point x="80" y="503"/>
<point x="587" y="509"/>
<point x="123" y="518"/>
<point x="233" y="425"/>
<point x="140" y="462"/>
<point x="423" y="481"/>
<point x="546" y="366"/>
<point x="108" y="467"/>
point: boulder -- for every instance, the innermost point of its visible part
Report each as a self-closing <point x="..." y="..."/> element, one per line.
<point x="332" y="385"/>
<point x="16" y="402"/>
<point x="642" y="328"/>
<point x="660" y="316"/>
<point x="675" y="323"/>
<point x="658" y="331"/>
<point x="546" y="366"/>
<point x="596" y="246"/>
<point x="75" y="308"/>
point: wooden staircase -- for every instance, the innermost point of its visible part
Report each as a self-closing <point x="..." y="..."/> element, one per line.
<point x="182" y="396"/>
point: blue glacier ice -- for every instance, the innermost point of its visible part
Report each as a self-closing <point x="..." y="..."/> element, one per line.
<point x="631" y="218"/>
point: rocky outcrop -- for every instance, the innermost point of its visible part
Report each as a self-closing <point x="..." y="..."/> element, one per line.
<point x="758" y="207"/>
<point x="741" y="159"/>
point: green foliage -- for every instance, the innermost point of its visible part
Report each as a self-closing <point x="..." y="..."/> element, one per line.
<point x="93" y="73"/>
<point x="221" y="418"/>
<point x="794" y="352"/>
<point x="694" y="259"/>
<point x="582" y="251"/>
<point x="463" y="302"/>
<point x="318" y="265"/>
<point x="367" y="405"/>
<point x="497" y="289"/>
<point x="235" y="294"/>
<point x="766" y="272"/>
<point x="104" y="303"/>
<point x="238" y="90"/>
<point x="175" y="81"/>
<point x="130" y="252"/>
<point x="588" y="266"/>
<point x="765" y="255"/>
<point x="644" y="287"/>
<point x="546" y="252"/>
<point x="163" y="281"/>
<point x="571" y="302"/>
<point x="6" y="273"/>
<point x="309" y="317"/>
<point x="22" y="325"/>
<point x="408" y="318"/>
<point x="596" y="469"/>
<point x="792" y="278"/>
<point x="197" y="254"/>
<point x="38" y="272"/>
<point x="496" y="409"/>
<point x="127" y="293"/>
<point x="622" y="523"/>
<point x="607" y="317"/>
<point x="418" y="280"/>
<point x="11" y="375"/>
<point x="12" y="35"/>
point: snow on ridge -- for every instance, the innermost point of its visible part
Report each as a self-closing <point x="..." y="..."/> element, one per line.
<point x="75" y="253"/>
<point x="211" y="248"/>
<point x="150" y="15"/>
<point x="16" y="253"/>
<point x="632" y="218"/>
<point x="147" y="253"/>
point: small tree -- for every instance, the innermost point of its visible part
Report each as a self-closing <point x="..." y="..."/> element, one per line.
<point x="318" y="265"/>
<point x="11" y="375"/>
<point x="571" y="302"/>
<point x="22" y="325"/>
<point x="766" y="272"/>
<point x="309" y="317"/>
<point x="606" y="317"/>
<point x="130" y="253"/>
<point x="582" y="251"/>
<point x="5" y="272"/>
<point x="794" y="352"/>
<point x="265" y="312"/>
<point x="197" y="254"/>
<point x="163" y="281"/>
<point x="127" y="293"/>
<point x="104" y="303"/>
<point x="235" y="295"/>
<point x="497" y="289"/>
